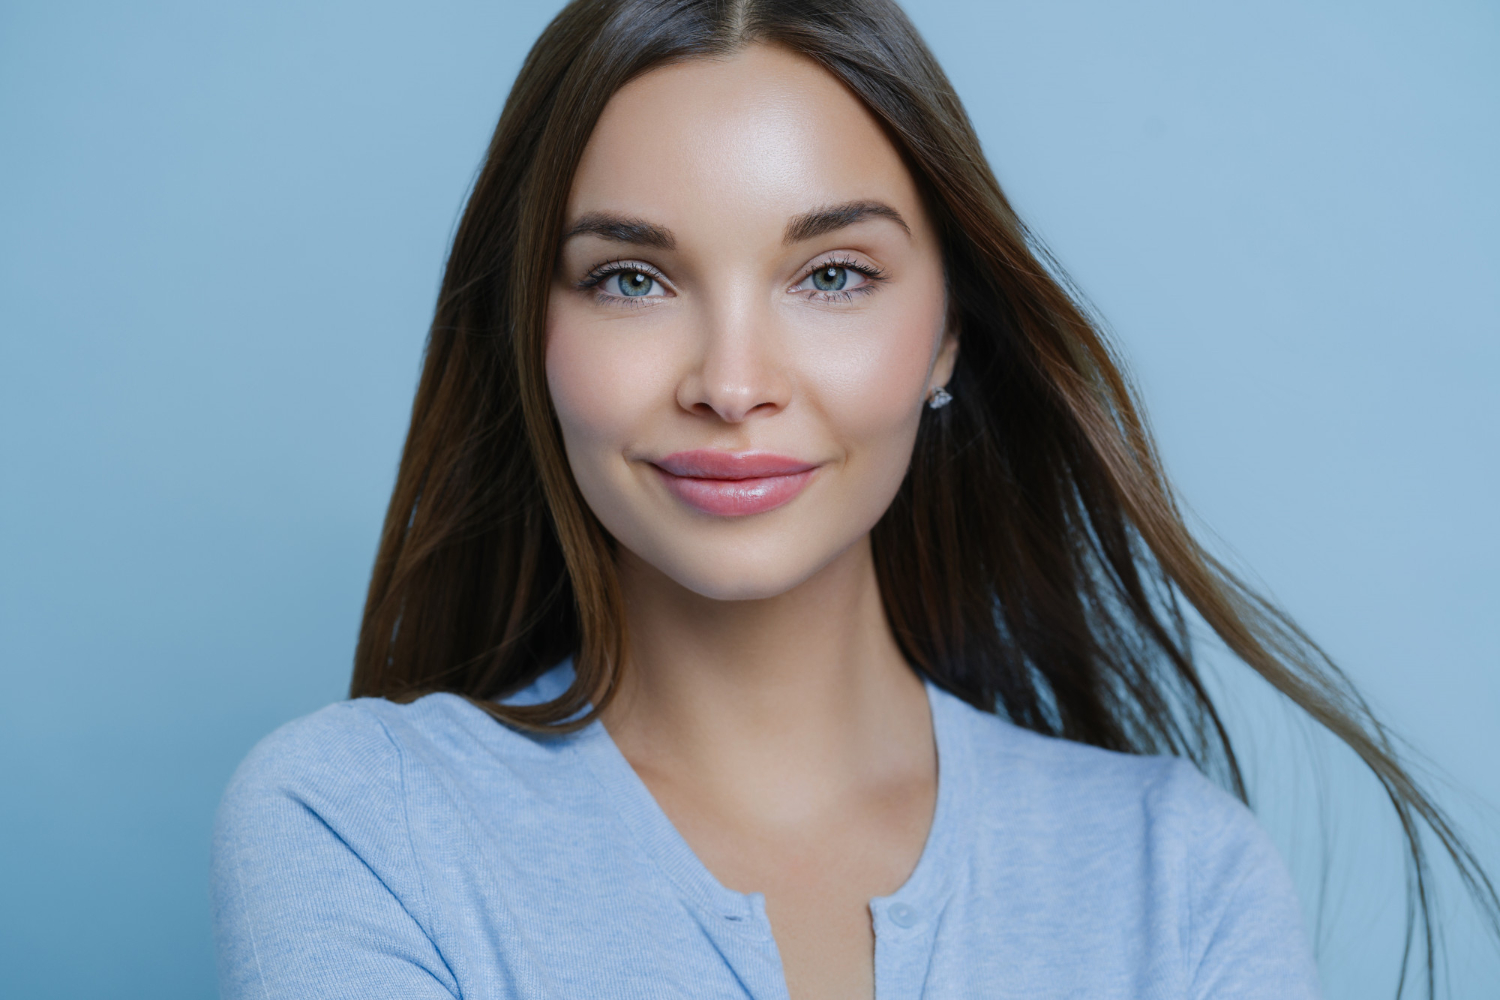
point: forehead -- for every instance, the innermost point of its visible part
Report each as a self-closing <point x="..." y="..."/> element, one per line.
<point x="743" y="142"/>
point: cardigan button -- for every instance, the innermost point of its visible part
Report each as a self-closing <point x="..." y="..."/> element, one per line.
<point x="903" y="915"/>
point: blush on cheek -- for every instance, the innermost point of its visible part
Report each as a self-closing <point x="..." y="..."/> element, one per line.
<point x="594" y="389"/>
<point x="596" y="412"/>
<point x="873" y="385"/>
<point x="577" y="387"/>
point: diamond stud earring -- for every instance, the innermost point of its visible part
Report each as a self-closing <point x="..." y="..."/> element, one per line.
<point x="939" y="398"/>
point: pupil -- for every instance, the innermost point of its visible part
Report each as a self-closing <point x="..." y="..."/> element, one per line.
<point x="830" y="279"/>
<point x="635" y="283"/>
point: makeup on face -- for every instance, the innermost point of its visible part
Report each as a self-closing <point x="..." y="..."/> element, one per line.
<point x="747" y="315"/>
<point x="733" y="484"/>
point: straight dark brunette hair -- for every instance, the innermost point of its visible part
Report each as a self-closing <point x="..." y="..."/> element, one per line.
<point x="1034" y="562"/>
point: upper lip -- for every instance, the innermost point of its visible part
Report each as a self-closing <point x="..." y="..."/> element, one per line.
<point x="709" y="464"/>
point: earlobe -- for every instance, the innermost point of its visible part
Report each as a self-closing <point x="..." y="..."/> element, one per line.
<point x="938" y="395"/>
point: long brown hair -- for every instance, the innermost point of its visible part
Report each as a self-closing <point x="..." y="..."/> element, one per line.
<point x="1034" y="562"/>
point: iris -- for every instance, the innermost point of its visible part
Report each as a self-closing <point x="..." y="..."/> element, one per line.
<point x="830" y="279"/>
<point x="635" y="283"/>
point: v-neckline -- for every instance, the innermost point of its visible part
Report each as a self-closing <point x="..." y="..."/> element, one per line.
<point x="921" y="896"/>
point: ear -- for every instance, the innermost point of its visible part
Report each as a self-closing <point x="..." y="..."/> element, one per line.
<point x="947" y="357"/>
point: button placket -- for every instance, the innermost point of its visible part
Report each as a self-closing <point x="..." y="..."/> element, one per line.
<point x="904" y="936"/>
<point x="763" y="975"/>
<point x="903" y="916"/>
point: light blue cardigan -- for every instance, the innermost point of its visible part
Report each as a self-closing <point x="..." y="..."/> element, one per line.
<point x="425" y="851"/>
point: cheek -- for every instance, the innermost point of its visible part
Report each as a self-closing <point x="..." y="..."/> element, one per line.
<point x="601" y="385"/>
<point x="869" y="381"/>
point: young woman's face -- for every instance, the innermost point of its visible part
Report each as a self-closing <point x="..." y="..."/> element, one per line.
<point x="747" y="318"/>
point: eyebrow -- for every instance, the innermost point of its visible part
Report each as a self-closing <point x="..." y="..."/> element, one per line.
<point x="622" y="229"/>
<point x="821" y="221"/>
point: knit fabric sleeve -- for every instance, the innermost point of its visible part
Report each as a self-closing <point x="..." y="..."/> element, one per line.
<point x="315" y="888"/>
<point x="1246" y="936"/>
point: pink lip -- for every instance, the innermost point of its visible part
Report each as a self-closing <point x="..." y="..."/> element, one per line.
<point x="730" y="484"/>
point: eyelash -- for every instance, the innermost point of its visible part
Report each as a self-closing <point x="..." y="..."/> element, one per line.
<point x="873" y="276"/>
<point x="607" y="270"/>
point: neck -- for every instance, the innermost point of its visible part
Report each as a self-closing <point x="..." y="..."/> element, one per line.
<point x="805" y="692"/>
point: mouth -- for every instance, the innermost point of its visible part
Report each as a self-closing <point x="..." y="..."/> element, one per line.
<point x="733" y="484"/>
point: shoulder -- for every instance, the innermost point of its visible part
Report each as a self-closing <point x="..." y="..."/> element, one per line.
<point x="1085" y="795"/>
<point x="370" y="746"/>
<point x="355" y="764"/>
<point x="339" y="767"/>
<point x="1145" y="842"/>
<point x="367" y="779"/>
<point x="334" y="740"/>
<point x="363" y="746"/>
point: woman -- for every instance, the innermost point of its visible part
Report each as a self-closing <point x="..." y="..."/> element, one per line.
<point x="799" y="531"/>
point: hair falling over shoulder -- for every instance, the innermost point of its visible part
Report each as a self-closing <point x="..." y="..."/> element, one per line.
<point x="1034" y="562"/>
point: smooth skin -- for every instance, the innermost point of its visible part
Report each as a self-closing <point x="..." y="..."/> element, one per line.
<point x="750" y="268"/>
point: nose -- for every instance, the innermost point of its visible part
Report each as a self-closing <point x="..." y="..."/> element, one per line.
<point x="741" y="368"/>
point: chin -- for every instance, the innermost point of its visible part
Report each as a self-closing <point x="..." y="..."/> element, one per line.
<point x="732" y="574"/>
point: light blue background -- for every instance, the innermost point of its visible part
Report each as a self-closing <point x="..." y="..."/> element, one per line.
<point x="222" y="227"/>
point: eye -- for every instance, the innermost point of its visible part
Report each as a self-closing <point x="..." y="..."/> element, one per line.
<point x="631" y="284"/>
<point x="838" y="279"/>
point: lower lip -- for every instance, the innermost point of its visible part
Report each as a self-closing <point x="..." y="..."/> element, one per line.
<point x="736" y="497"/>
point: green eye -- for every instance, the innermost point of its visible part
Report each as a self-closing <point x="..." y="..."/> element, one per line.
<point x="634" y="283"/>
<point x="830" y="279"/>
